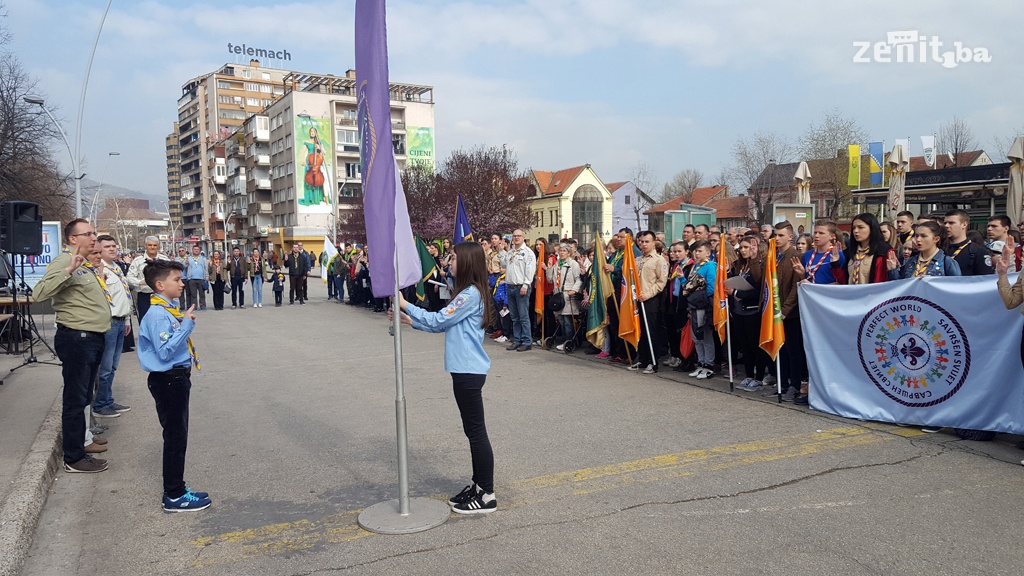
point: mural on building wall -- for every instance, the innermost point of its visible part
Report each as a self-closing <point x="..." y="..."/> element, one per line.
<point x="421" y="145"/>
<point x="313" y="151"/>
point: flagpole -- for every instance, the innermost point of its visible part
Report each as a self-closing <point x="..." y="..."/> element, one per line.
<point x="778" y="376"/>
<point x="650" y="340"/>
<point x="728" y="340"/>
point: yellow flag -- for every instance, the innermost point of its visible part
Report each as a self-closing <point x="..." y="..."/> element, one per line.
<point x="629" y="312"/>
<point x="853" y="153"/>
<point x="772" y="334"/>
<point x="721" y="315"/>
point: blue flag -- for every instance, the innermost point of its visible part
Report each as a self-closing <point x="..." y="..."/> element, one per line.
<point x="875" y="152"/>
<point x="463" y="233"/>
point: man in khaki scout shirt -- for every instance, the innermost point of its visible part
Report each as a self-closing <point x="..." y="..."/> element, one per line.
<point x="653" y="277"/>
<point x="83" y="318"/>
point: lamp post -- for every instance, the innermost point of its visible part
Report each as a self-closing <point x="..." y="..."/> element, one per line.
<point x="74" y="159"/>
<point x="76" y="154"/>
<point x="99" y="189"/>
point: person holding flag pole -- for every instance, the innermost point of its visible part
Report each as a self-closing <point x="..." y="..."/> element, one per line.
<point x="629" y="318"/>
<point x="538" y="288"/>
<point x="773" y="335"/>
<point x="653" y="273"/>
<point x="721" y="315"/>
<point x="393" y="260"/>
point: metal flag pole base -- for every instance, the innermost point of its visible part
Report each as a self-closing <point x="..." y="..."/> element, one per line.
<point x="386" y="518"/>
<point x="404" y="515"/>
<point x="778" y="376"/>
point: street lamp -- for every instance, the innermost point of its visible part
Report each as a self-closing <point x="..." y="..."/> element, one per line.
<point x="74" y="159"/>
<point x="99" y="189"/>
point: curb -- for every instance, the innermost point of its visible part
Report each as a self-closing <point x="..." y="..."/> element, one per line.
<point x="20" y="510"/>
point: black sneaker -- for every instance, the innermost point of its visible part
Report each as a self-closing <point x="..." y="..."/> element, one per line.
<point x="481" y="503"/>
<point x="468" y="493"/>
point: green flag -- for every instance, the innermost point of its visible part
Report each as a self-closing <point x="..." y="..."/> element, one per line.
<point x="428" y="266"/>
<point x="600" y="290"/>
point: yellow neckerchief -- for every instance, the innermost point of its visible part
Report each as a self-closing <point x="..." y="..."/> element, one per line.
<point x="99" y="276"/>
<point x="958" y="250"/>
<point x="157" y="300"/>
<point x="120" y="276"/>
<point x="858" y="258"/>
<point x="922" y="265"/>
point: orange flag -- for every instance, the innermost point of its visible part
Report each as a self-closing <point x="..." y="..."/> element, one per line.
<point x="721" y="300"/>
<point x="629" y="312"/>
<point x="772" y="334"/>
<point x="538" y="288"/>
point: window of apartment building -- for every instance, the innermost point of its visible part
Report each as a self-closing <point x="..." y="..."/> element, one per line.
<point x="287" y="141"/>
<point x="266" y="102"/>
<point x="626" y="199"/>
<point x="246" y="73"/>
<point x="222" y="85"/>
<point x="278" y="91"/>
<point x="266" y="88"/>
<point x="398" y="143"/>
<point x="349" y="115"/>
<point x="262" y="123"/>
<point x="266" y="75"/>
<point x="252" y="87"/>
<point x="288" y="114"/>
<point x="231" y="114"/>
<point x="225" y="99"/>
<point x="252" y="101"/>
<point x="348" y="136"/>
<point x="290" y="167"/>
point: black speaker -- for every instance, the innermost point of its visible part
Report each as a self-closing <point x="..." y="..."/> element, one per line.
<point x="21" y="228"/>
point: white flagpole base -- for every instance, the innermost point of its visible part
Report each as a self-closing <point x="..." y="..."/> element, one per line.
<point x="385" y="517"/>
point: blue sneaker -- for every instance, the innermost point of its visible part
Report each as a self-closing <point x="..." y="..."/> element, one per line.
<point x="187" y="502"/>
<point x="201" y="495"/>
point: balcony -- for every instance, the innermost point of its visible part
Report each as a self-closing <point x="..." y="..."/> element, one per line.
<point x="263" y="183"/>
<point x="263" y="159"/>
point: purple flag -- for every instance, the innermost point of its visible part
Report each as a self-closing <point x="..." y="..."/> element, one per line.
<point x="387" y="217"/>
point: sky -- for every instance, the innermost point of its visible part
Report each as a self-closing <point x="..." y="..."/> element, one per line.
<point x="610" y="83"/>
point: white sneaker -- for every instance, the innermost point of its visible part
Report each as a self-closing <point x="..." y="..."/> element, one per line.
<point x="501" y="339"/>
<point x="705" y="374"/>
<point x="633" y="367"/>
<point x="696" y="372"/>
<point x="649" y="369"/>
<point x="560" y="347"/>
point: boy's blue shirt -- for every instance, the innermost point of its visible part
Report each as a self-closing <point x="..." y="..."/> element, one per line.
<point x="463" y="335"/>
<point x="163" y="341"/>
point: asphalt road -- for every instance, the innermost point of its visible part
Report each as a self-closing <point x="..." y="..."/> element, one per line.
<point x="598" y="471"/>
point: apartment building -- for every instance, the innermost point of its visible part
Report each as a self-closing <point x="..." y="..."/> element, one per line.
<point x="173" y="179"/>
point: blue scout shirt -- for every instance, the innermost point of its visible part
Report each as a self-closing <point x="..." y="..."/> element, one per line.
<point x="196" y="267"/>
<point x="818" y="266"/>
<point x="463" y="336"/>
<point x="163" y="341"/>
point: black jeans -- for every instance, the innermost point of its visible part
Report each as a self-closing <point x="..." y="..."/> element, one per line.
<point x="468" y="396"/>
<point x="80" y="354"/>
<point x="278" y="296"/>
<point x="238" y="287"/>
<point x="793" y="360"/>
<point x="142" y="303"/>
<point x="171" y="390"/>
<point x="654" y="336"/>
<point x="218" y="294"/>
<point x="295" y="288"/>
<point x="746" y="331"/>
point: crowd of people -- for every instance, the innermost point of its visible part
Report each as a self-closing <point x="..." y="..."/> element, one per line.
<point x="675" y="294"/>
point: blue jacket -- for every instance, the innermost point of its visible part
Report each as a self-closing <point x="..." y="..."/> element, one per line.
<point x="941" y="265"/>
<point x="461" y="323"/>
<point x="163" y="341"/>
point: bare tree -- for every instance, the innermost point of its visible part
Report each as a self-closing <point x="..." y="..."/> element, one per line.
<point x="421" y="197"/>
<point x="827" y="141"/>
<point x="723" y="178"/>
<point x="683" y="184"/>
<point x="642" y="178"/>
<point x="1001" y="144"/>
<point x="28" y="170"/>
<point x="493" y="187"/>
<point x="751" y="157"/>
<point x="955" y="137"/>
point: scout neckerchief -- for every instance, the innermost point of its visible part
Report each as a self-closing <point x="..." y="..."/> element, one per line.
<point x="158" y="300"/>
<point x="922" y="265"/>
<point x="858" y="259"/>
<point x="124" y="281"/>
<point x="812" y="267"/>
<point x="958" y="250"/>
<point x="103" y="283"/>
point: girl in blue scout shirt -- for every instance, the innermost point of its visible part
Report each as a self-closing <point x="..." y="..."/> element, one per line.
<point x="463" y="322"/>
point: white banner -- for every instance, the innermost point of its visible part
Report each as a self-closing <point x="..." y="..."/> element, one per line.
<point x="930" y="351"/>
<point x="928" y="143"/>
<point x="329" y="252"/>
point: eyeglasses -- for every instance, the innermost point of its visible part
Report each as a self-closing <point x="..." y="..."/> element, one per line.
<point x="85" y="234"/>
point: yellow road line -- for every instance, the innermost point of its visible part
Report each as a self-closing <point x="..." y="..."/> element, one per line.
<point x="341" y="527"/>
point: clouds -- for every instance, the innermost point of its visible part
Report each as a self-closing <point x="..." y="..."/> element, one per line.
<point x="564" y="82"/>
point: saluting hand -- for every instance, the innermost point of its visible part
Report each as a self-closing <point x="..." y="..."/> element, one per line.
<point x="191" y="313"/>
<point x="835" y="252"/>
<point x="76" y="261"/>
<point x="798" y="267"/>
<point x="1007" y="256"/>
<point x="892" y="262"/>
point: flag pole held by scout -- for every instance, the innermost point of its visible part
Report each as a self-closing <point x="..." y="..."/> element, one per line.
<point x="393" y="260"/>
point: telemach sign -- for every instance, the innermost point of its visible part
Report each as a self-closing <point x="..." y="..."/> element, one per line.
<point x="245" y="50"/>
